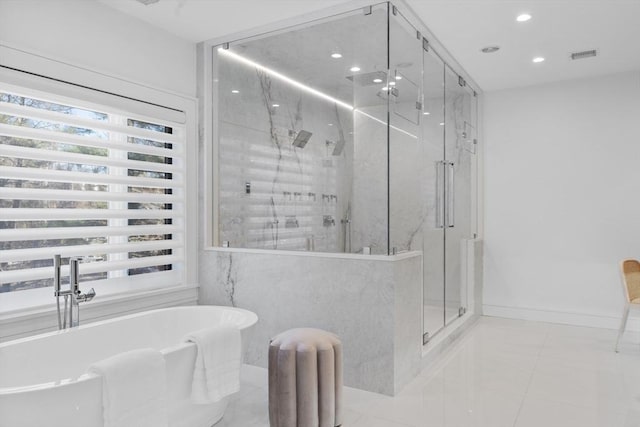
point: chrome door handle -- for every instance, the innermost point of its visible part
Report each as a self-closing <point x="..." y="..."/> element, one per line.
<point x="440" y="165"/>
<point x="450" y="196"/>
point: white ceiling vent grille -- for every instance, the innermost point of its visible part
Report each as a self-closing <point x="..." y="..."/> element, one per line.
<point x="584" y="54"/>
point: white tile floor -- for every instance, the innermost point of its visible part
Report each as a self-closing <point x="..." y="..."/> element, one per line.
<point x="501" y="373"/>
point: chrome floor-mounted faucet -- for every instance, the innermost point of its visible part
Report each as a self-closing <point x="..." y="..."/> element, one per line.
<point x="72" y="296"/>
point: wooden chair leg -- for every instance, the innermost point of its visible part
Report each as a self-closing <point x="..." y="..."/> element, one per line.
<point x="623" y="324"/>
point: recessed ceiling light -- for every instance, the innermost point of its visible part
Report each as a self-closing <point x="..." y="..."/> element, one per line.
<point x="398" y="77"/>
<point x="275" y="105"/>
<point x="524" y="17"/>
<point x="490" y="49"/>
<point x="330" y="124"/>
<point x="235" y="91"/>
<point x="426" y="113"/>
<point x="148" y="2"/>
<point x="354" y="69"/>
<point x="336" y="55"/>
<point x="392" y="83"/>
<point x="377" y="80"/>
<point x="441" y="123"/>
<point x="538" y="59"/>
<point x="385" y="88"/>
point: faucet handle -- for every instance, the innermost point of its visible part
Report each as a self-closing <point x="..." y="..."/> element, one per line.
<point x="86" y="297"/>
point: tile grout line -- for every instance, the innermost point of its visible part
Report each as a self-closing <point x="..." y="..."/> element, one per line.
<point x="533" y="372"/>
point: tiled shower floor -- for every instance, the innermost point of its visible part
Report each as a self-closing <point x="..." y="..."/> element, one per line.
<point x="502" y="373"/>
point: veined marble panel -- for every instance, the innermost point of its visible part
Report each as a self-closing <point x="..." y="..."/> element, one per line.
<point x="374" y="306"/>
<point x="370" y="213"/>
<point x="272" y="194"/>
<point x="330" y="195"/>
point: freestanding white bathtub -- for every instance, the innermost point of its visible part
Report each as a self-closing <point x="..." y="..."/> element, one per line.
<point x="43" y="380"/>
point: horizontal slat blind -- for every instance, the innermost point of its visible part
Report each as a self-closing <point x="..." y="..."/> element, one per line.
<point x="80" y="179"/>
<point x="90" y="250"/>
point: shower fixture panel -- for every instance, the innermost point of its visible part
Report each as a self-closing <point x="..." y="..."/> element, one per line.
<point x="302" y="139"/>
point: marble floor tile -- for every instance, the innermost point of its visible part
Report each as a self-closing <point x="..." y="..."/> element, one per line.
<point x="548" y="413"/>
<point x="368" y="421"/>
<point x="501" y="373"/>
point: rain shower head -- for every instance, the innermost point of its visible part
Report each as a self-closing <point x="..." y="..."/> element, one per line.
<point x="369" y="79"/>
<point x="302" y="138"/>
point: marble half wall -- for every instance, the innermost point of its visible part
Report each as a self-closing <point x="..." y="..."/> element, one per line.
<point x="373" y="303"/>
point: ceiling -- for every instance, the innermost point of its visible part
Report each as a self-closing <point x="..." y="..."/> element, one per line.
<point x="557" y="28"/>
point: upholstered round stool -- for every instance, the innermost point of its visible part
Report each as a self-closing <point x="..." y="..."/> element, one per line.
<point x="305" y="379"/>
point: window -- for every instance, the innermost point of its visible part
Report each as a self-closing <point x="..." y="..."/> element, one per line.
<point x="79" y="178"/>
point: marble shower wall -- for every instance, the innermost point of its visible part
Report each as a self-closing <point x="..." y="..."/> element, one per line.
<point x="370" y="222"/>
<point x="373" y="303"/>
<point x="409" y="187"/>
<point x="273" y="195"/>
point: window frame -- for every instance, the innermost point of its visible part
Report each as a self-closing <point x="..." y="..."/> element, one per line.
<point x="26" y="69"/>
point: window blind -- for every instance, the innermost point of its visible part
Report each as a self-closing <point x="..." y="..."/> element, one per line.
<point x="79" y="178"/>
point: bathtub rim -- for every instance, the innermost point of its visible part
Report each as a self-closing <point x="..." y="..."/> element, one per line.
<point x="251" y="319"/>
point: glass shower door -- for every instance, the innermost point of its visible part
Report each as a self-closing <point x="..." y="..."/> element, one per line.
<point x="415" y="90"/>
<point x="433" y="232"/>
<point x="460" y="146"/>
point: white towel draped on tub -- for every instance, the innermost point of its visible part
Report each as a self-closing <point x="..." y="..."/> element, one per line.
<point x="134" y="389"/>
<point x="217" y="370"/>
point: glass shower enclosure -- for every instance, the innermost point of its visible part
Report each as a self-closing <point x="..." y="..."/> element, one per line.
<point x="348" y="134"/>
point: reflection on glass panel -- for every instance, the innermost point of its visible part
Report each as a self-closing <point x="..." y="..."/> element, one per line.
<point x="406" y="151"/>
<point x="459" y="146"/>
<point x="302" y="137"/>
<point x="433" y="232"/>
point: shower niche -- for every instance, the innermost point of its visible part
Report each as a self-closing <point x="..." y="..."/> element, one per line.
<point x="348" y="134"/>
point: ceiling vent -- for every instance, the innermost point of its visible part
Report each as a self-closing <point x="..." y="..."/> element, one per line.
<point x="584" y="54"/>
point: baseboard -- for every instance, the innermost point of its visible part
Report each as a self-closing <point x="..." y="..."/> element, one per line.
<point x="576" y="319"/>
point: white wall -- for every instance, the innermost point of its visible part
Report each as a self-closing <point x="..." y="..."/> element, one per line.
<point x="562" y="198"/>
<point x="91" y="35"/>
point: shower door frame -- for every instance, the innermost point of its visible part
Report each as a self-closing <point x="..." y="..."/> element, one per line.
<point x="470" y="306"/>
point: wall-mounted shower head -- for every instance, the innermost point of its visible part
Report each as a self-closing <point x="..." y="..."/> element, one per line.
<point x="301" y="139"/>
<point x="337" y="149"/>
